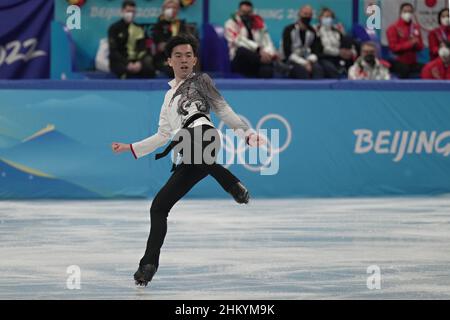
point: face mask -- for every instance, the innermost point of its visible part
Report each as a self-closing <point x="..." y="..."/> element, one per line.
<point x="305" y="20"/>
<point x="327" y="21"/>
<point x="370" y="59"/>
<point x="444" y="52"/>
<point x="128" y="17"/>
<point x="407" y="16"/>
<point x="245" y="18"/>
<point x="445" y="21"/>
<point x="168" y="13"/>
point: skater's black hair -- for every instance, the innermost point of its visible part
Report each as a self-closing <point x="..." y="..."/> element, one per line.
<point x="179" y="40"/>
<point x="128" y="3"/>
<point x="440" y="15"/>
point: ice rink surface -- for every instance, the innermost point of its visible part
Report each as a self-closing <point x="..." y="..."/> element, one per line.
<point x="216" y="249"/>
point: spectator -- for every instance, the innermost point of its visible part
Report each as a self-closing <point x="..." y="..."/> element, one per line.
<point x="405" y="40"/>
<point x="168" y="26"/>
<point x="128" y="55"/>
<point x="252" y="52"/>
<point x="368" y="66"/>
<point x="301" y="47"/>
<point x="439" y="68"/>
<point x="336" y="57"/>
<point x="440" y="34"/>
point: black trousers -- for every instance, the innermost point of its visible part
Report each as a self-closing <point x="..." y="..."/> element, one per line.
<point x="119" y="68"/>
<point x="299" y="72"/>
<point x="335" y="68"/>
<point x="182" y="180"/>
<point x="406" y="71"/>
<point x="249" y="64"/>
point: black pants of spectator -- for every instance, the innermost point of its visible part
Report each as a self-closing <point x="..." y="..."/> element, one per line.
<point x="299" y="72"/>
<point x="335" y="68"/>
<point x="182" y="180"/>
<point x="147" y="71"/>
<point x="248" y="63"/>
<point x="406" y="71"/>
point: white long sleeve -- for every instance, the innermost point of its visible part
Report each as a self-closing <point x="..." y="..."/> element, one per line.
<point x="150" y="144"/>
<point x="244" y="42"/>
<point x="294" y="57"/>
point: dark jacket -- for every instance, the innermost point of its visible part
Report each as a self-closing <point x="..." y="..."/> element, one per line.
<point x="162" y="32"/>
<point x="118" y="53"/>
<point x="311" y="41"/>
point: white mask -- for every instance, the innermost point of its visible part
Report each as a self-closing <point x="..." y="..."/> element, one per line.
<point x="168" y="13"/>
<point x="445" y="21"/>
<point x="444" y="52"/>
<point x="327" y="21"/>
<point x="128" y="16"/>
<point x="407" y="16"/>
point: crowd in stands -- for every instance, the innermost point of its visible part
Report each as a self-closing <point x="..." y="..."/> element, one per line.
<point x="307" y="51"/>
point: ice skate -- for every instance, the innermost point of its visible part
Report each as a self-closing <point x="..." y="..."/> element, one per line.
<point x="144" y="275"/>
<point x="239" y="193"/>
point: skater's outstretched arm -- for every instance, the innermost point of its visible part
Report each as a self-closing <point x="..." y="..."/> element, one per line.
<point x="148" y="145"/>
<point x="221" y="107"/>
<point x="226" y="113"/>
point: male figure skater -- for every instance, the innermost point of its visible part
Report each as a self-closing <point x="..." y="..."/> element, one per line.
<point x="186" y="108"/>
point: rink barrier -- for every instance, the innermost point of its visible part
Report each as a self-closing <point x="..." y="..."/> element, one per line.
<point x="336" y="138"/>
<point x="231" y="84"/>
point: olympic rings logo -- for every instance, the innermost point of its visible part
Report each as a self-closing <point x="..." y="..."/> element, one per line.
<point x="272" y="147"/>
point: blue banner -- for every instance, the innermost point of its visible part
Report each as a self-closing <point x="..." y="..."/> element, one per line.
<point x="332" y="138"/>
<point x="25" y="38"/>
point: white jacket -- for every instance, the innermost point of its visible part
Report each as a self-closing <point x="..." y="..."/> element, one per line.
<point x="361" y="70"/>
<point x="237" y="36"/>
<point x="196" y="94"/>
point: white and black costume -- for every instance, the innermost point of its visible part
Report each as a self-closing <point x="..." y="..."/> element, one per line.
<point x="186" y="105"/>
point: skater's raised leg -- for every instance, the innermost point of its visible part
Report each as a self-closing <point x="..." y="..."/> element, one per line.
<point x="229" y="182"/>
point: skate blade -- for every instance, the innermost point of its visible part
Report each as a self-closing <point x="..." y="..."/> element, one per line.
<point x="141" y="283"/>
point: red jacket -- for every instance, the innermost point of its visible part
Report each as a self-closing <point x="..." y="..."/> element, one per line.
<point x="435" y="37"/>
<point x="436" y="70"/>
<point x="400" y="36"/>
